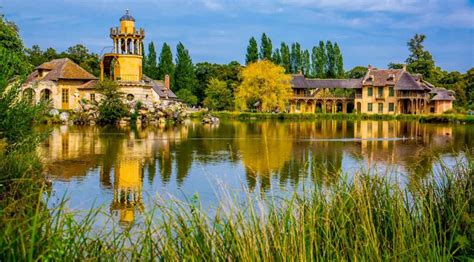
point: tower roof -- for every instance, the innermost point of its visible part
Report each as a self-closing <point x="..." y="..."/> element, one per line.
<point x="127" y="17"/>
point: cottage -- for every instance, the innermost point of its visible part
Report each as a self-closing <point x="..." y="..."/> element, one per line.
<point x="382" y="91"/>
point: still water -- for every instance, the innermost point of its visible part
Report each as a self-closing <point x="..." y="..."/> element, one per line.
<point x="123" y="169"/>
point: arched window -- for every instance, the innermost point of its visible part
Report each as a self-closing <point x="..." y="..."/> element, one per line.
<point x="46" y="95"/>
<point x="29" y="95"/>
<point x="130" y="97"/>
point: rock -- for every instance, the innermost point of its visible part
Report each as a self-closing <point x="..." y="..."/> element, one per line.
<point x="209" y="119"/>
<point x="64" y="116"/>
<point x="53" y="112"/>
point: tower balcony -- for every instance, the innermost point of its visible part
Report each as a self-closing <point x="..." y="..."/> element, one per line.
<point x="117" y="33"/>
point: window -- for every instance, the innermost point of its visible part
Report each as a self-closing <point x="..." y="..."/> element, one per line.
<point x="92" y="97"/>
<point x="370" y="91"/>
<point x="369" y="107"/>
<point x="380" y="108"/>
<point x="380" y="92"/>
<point x="298" y="105"/>
<point x="391" y="91"/>
<point x="130" y="97"/>
<point x="65" y="95"/>
<point x="391" y="107"/>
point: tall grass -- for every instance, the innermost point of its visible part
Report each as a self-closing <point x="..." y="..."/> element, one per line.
<point x="367" y="218"/>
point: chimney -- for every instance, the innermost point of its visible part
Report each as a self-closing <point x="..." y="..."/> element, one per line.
<point x="369" y="67"/>
<point x="404" y="67"/>
<point x="167" y="82"/>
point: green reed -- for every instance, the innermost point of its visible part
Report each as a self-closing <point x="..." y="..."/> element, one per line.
<point x="366" y="217"/>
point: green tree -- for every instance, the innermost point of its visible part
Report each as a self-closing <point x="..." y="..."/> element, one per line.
<point x="266" y="48"/>
<point x="111" y="106"/>
<point x="469" y="88"/>
<point x="165" y="65"/>
<point x="276" y="57"/>
<point x="339" y="61"/>
<point x="306" y="63"/>
<point x="252" y="51"/>
<point x="184" y="77"/>
<point x="394" y="66"/>
<point x="331" y="61"/>
<point x="265" y="87"/>
<point x="356" y="72"/>
<point x="285" y="57"/>
<point x="218" y="95"/>
<point x="319" y="60"/>
<point x="35" y="55"/>
<point x="420" y="61"/>
<point x="206" y="71"/>
<point x="187" y="96"/>
<point x="151" y="67"/>
<point x="295" y="58"/>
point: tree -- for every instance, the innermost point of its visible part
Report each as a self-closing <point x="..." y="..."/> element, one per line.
<point x="166" y="66"/>
<point x="420" y="61"/>
<point x="187" y="96"/>
<point x="276" y="57"/>
<point x="305" y="63"/>
<point x="320" y="60"/>
<point x="356" y="72"/>
<point x="339" y="62"/>
<point x="184" y="77"/>
<point x="151" y="68"/>
<point x="266" y="48"/>
<point x="469" y="88"/>
<point x="218" y="95"/>
<point x="252" y="51"/>
<point x="285" y="57"/>
<point x="295" y="58"/>
<point x="331" y="61"/>
<point x="265" y="87"/>
<point x="395" y="66"/>
<point x="35" y="55"/>
<point x="111" y="107"/>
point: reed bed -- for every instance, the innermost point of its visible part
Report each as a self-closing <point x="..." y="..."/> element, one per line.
<point x="367" y="218"/>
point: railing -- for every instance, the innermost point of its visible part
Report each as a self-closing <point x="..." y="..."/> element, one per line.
<point x="358" y="96"/>
<point x="117" y="31"/>
<point x="128" y="78"/>
<point x="412" y="95"/>
<point x="322" y="97"/>
<point x="379" y="97"/>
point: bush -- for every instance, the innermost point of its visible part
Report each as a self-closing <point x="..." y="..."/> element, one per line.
<point x="111" y="106"/>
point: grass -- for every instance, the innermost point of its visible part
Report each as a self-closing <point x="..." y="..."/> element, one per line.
<point x="445" y="118"/>
<point x="367" y="218"/>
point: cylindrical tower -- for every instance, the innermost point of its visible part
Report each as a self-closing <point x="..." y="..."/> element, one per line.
<point x="127" y="51"/>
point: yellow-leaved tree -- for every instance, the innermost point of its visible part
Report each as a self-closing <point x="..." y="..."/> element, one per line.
<point x="265" y="87"/>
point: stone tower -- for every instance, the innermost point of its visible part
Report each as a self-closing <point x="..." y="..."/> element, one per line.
<point x="124" y="63"/>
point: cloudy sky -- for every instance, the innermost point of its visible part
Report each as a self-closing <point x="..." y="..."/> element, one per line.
<point x="368" y="31"/>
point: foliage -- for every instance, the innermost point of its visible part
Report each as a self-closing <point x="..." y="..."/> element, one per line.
<point x="320" y="60"/>
<point x="331" y="70"/>
<point x="187" y="96"/>
<point x="205" y="71"/>
<point x="356" y="72"/>
<point x="285" y="57"/>
<point x="252" y="51"/>
<point x="339" y="62"/>
<point x="266" y="48"/>
<point x="151" y="67"/>
<point x="305" y="63"/>
<point x="111" y="106"/>
<point x="184" y="72"/>
<point x="218" y="95"/>
<point x="276" y="57"/>
<point x="395" y="66"/>
<point x="265" y="86"/>
<point x="295" y="58"/>
<point x="420" y="61"/>
<point x="166" y="66"/>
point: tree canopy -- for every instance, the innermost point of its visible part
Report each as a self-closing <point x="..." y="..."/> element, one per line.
<point x="165" y="65"/>
<point x="265" y="87"/>
<point x="218" y="96"/>
<point x="252" y="51"/>
<point x="184" y="77"/>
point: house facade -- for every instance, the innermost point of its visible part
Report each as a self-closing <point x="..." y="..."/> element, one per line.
<point x="380" y="91"/>
<point x="65" y="84"/>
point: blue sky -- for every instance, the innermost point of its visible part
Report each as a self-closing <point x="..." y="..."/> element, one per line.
<point x="368" y="31"/>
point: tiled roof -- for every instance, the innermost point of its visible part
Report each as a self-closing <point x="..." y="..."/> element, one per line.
<point x="63" y="68"/>
<point x="399" y="78"/>
<point x="159" y="88"/>
<point x="441" y="94"/>
<point x="299" y="81"/>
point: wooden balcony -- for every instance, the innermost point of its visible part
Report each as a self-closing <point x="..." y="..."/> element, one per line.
<point x="411" y="96"/>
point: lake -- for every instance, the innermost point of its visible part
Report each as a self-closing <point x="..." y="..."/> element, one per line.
<point x="123" y="169"/>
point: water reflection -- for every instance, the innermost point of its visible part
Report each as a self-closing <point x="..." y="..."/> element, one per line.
<point x="263" y="154"/>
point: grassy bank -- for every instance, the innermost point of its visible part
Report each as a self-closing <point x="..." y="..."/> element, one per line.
<point x="368" y="219"/>
<point x="447" y="118"/>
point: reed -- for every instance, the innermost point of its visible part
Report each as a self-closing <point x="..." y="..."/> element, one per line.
<point x="366" y="217"/>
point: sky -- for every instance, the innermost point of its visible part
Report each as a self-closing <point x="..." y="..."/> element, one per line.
<point x="371" y="32"/>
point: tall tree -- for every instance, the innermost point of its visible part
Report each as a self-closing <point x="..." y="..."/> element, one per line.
<point x="295" y="58"/>
<point x="151" y="69"/>
<point x="165" y="65"/>
<point x="331" y="61"/>
<point x="276" y="57"/>
<point x="184" y="77"/>
<point x="252" y="51"/>
<point x="305" y="63"/>
<point x="285" y="57"/>
<point x="356" y="72"/>
<point x="339" y="62"/>
<point x="266" y="48"/>
<point x="420" y="61"/>
<point x="218" y="95"/>
<point x="320" y="60"/>
<point x="265" y="87"/>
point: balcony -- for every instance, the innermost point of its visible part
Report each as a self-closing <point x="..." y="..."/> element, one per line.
<point x="411" y="95"/>
<point x="128" y="78"/>
<point x="358" y="96"/>
<point x="379" y="97"/>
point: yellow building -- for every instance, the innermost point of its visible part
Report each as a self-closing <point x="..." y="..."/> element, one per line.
<point x="381" y="91"/>
<point x="64" y="83"/>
